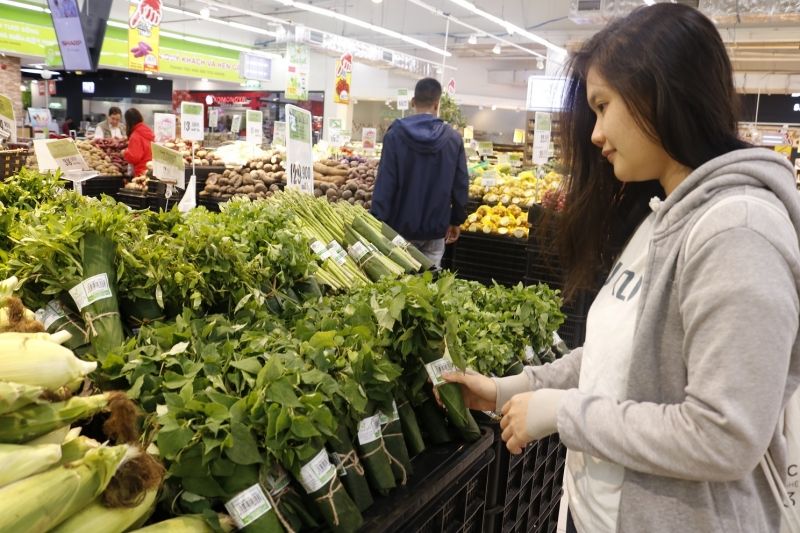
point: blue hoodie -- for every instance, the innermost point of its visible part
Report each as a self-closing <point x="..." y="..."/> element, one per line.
<point x="422" y="178"/>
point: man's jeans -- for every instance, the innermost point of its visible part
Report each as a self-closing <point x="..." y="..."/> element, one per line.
<point x="432" y="249"/>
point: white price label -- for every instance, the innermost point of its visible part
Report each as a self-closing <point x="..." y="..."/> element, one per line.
<point x="50" y="313"/>
<point x="91" y="290"/>
<point x="213" y="118"/>
<point x="301" y="176"/>
<point x="400" y="241"/>
<point x="248" y="506"/>
<point x="358" y="251"/>
<point x="279" y="133"/>
<point x="168" y="165"/>
<point x="336" y="459"/>
<point x="236" y="124"/>
<point x="369" y="430"/>
<point x="317" y="473"/>
<point x="192" y="121"/>
<point x="391" y="417"/>
<point x="437" y="368"/>
<point x="529" y="355"/>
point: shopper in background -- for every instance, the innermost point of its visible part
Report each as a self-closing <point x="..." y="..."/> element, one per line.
<point x="421" y="190"/>
<point x="112" y="127"/>
<point x="691" y="348"/>
<point x="140" y="136"/>
<point x="69" y="124"/>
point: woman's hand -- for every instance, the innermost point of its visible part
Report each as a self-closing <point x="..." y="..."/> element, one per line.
<point x="479" y="392"/>
<point x="530" y="416"/>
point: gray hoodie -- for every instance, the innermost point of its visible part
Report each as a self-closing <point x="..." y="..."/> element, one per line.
<point x="716" y="356"/>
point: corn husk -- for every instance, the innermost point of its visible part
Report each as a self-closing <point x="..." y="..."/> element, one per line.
<point x="8" y="286"/>
<point x="76" y="449"/>
<point x="36" y="420"/>
<point x="186" y="524"/>
<point x="42" y="501"/>
<point x="98" y="517"/>
<point x="18" y="461"/>
<point x="33" y="359"/>
<point x="16" y="395"/>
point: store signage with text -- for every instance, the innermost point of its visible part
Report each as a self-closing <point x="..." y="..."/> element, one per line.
<point x="451" y="87"/>
<point x="369" y="137"/>
<point x="300" y="169"/>
<point x="541" y="137"/>
<point x="402" y="99"/>
<point x="144" y="18"/>
<point x="255" y="127"/>
<point x="71" y="41"/>
<point x="191" y="121"/>
<point x="279" y="133"/>
<point x="344" y="69"/>
<point x="236" y="124"/>
<point x="297" y="65"/>
<point x="168" y="165"/>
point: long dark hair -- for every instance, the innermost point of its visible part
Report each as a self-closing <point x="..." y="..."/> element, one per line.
<point x="132" y="118"/>
<point x="669" y="65"/>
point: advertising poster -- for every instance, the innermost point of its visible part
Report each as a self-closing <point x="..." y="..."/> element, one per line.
<point x="144" y="17"/>
<point x="8" y="125"/>
<point x="164" y="127"/>
<point x="344" y="69"/>
<point x="369" y="136"/>
<point x="298" y="64"/>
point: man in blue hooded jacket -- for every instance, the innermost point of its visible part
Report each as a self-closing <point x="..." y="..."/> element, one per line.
<point x="422" y="184"/>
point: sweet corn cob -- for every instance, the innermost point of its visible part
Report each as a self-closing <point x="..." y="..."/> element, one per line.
<point x="42" y="501"/>
<point x="8" y="286"/>
<point x="36" y="420"/>
<point x="34" y="359"/>
<point x="16" y="395"/>
<point x="186" y="524"/>
<point x="57" y="436"/>
<point x="18" y="461"/>
<point x="98" y="517"/>
<point x="76" y="449"/>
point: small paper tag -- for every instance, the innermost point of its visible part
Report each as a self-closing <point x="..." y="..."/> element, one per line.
<point x="339" y="464"/>
<point x="91" y="290"/>
<point x="358" y="251"/>
<point x="369" y="430"/>
<point x="318" y="247"/>
<point x="248" y="506"/>
<point x="277" y="479"/>
<point x="50" y="313"/>
<point x="400" y="241"/>
<point x="340" y="257"/>
<point x="391" y="417"/>
<point x="529" y="355"/>
<point x="317" y="473"/>
<point x="437" y="368"/>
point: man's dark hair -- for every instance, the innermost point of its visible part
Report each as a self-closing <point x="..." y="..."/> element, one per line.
<point x="427" y="92"/>
<point x="114" y="111"/>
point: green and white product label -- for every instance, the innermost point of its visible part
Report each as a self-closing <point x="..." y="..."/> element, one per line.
<point x="50" y="313"/>
<point x="8" y="125"/>
<point x="317" y="473"/>
<point x="391" y="417"/>
<point x="400" y="241"/>
<point x="213" y="118"/>
<point x="485" y="148"/>
<point x="277" y="479"/>
<point x="168" y="165"/>
<point x="191" y="121"/>
<point x="337" y="252"/>
<point x="254" y="132"/>
<point x="248" y="506"/>
<point x="299" y="156"/>
<point x="91" y="290"/>
<point x="279" y="133"/>
<point x="357" y="251"/>
<point x="437" y="368"/>
<point x="66" y="154"/>
<point x="402" y="99"/>
<point x="369" y="430"/>
<point x="322" y="251"/>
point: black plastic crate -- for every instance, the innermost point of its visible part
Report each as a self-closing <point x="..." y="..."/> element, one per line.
<point x="483" y="257"/>
<point x="133" y="199"/>
<point x="99" y="185"/>
<point x="209" y="202"/>
<point x="446" y="493"/>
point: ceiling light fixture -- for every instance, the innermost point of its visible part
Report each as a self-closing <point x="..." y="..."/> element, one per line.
<point x="208" y="18"/>
<point x="377" y="1"/>
<point x="366" y="25"/>
<point x="497" y="49"/>
<point x="540" y="64"/>
<point x="205" y="12"/>
<point x="478" y="31"/>
<point x="509" y="27"/>
<point x="473" y="39"/>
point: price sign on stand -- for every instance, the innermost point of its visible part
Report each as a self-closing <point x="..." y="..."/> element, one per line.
<point x="469" y="133"/>
<point x="402" y="99"/>
<point x="485" y="148"/>
<point x="236" y="124"/>
<point x="8" y="125"/>
<point x="300" y="169"/>
<point x="164" y="127"/>
<point x="213" y="118"/>
<point x="67" y="157"/>
<point x="279" y="134"/>
<point x="519" y="136"/>
<point x="168" y="165"/>
<point x="369" y="137"/>
<point x="335" y="132"/>
<point x="541" y="138"/>
<point x="255" y="127"/>
<point x="191" y="121"/>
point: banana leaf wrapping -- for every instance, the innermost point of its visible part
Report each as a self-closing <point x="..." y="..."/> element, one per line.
<point x="328" y="493"/>
<point x="269" y="522"/>
<point x="141" y="311"/>
<point x="56" y="316"/>
<point x="378" y="465"/>
<point x="291" y="507"/>
<point x="392" y="235"/>
<point x="411" y="431"/>
<point x="515" y="368"/>
<point x="354" y="479"/>
<point x="434" y="424"/>
<point x="101" y="315"/>
<point x="395" y="444"/>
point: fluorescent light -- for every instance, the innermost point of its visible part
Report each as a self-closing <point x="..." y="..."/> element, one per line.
<point x="497" y="49"/>
<point x="22" y="5"/>
<point x="473" y="39"/>
<point x="480" y="32"/>
<point x="208" y="18"/>
<point x="511" y="28"/>
<point x="205" y="12"/>
<point x="366" y="25"/>
<point x="377" y="1"/>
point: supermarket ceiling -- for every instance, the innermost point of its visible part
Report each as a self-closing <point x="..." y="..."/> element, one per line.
<point x="476" y="30"/>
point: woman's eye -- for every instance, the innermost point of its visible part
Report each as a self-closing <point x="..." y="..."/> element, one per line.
<point x="601" y="107"/>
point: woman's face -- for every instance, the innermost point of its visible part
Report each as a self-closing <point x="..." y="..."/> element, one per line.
<point x="633" y="154"/>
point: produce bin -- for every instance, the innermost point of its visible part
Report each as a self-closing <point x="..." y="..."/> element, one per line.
<point x="446" y="493"/>
<point x="525" y="490"/>
<point x="485" y="258"/>
<point x="100" y="185"/>
<point x="133" y="199"/>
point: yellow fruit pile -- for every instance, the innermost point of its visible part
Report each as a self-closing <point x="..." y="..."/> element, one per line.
<point x="522" y="190"/>
<point x="499" y="220"/>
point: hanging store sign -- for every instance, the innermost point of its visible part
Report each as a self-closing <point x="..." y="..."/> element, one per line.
<point x="298" y="66"/>
<point x="144" y="18"/>
<point x="344" y="69"/>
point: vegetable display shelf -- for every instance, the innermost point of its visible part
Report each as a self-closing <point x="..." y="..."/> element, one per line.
<point x="100" y="185"/>
<point x="446" y="493"/>
<point x="526" y="489"/>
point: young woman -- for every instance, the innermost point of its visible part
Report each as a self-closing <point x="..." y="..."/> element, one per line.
<point x="140" y="136"/>
<point x="692" y="344"/>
